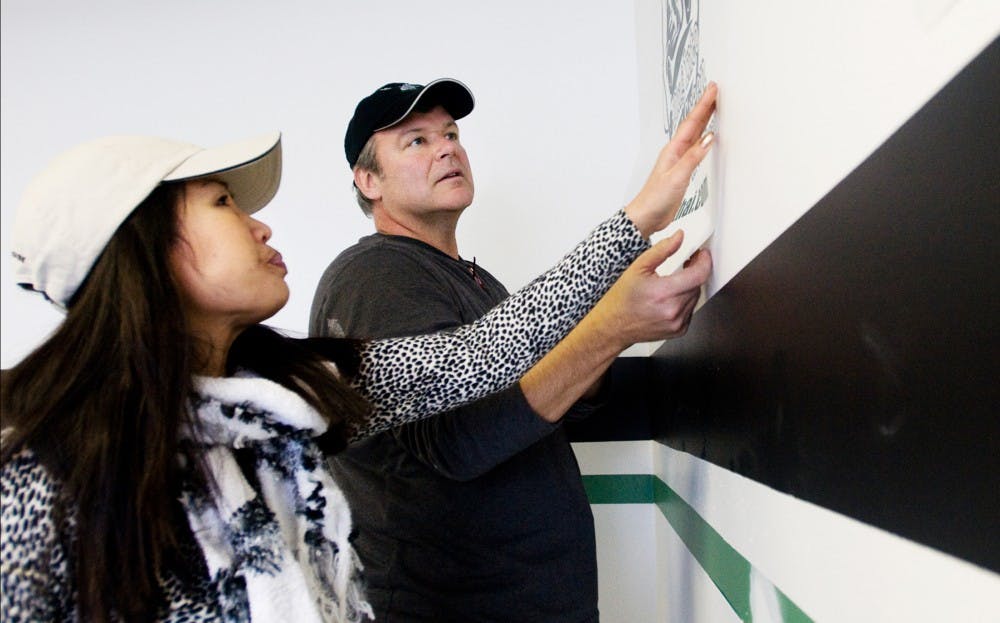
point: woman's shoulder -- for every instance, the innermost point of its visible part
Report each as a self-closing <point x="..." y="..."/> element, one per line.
<point x="30" y="494"/>
<point x="24" y="470"/>
<point x="25" y="464"/>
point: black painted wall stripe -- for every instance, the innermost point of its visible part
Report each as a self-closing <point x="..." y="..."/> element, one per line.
<point x="855" y="362"/>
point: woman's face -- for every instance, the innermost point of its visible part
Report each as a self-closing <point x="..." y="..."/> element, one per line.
<point x="229" y="278"/>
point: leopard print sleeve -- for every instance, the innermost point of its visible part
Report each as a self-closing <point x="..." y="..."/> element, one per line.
<point x="409" y="378"/>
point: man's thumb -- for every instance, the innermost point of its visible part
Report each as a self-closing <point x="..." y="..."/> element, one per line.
<point x="659" y="252"/>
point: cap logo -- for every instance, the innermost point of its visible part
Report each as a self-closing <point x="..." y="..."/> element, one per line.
<point x="409" y="87"/>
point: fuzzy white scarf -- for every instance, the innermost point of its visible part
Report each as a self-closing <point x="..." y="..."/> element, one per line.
<point x="286" y="535"/>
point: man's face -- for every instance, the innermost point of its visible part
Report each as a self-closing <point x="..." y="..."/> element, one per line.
<point x="425" y="169"/>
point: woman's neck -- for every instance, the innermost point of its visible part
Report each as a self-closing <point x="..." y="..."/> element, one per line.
<point x="211" y="351"/>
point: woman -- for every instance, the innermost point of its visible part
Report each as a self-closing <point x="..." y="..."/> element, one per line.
<point x="163" y="452"/>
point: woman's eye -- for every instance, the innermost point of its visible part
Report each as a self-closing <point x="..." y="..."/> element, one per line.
<point x="223" y="200"/>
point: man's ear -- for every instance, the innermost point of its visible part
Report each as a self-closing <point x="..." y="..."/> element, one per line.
<point x="368" y="183"/>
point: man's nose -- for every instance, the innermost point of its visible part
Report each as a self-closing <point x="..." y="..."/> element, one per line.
<point x="445" y="147"/>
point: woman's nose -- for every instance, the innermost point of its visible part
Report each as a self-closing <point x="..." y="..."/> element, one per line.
<point x="260" y="229"/>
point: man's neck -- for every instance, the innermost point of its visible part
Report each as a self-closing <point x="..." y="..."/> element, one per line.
<point x="437" y="230"/>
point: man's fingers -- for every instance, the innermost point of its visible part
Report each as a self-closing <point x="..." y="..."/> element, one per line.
<point x="694" y="273"/>
<point x="686" y="314"/>
<point x="659" y="252"/>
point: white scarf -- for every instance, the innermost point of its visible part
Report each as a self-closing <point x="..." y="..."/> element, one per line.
<point x="286" y="538"/>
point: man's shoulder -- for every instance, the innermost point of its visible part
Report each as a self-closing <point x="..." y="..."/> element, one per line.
<point x="379" y="253"/>
<point x="376" y="272"/>
<point x="385" y="286"/>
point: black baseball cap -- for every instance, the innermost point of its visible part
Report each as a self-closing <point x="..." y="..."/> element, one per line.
<point x="391" y="103"/>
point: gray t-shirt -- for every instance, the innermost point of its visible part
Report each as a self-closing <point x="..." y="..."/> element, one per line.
<point x="477" y="514"/>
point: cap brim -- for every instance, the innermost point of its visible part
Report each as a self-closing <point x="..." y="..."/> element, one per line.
<point x="251" y="169"/>
<point x="452" y="94"/>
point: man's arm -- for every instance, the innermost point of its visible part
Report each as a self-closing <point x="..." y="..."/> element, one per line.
<point x="582" y="357"/>
<point x="641" y="307"/>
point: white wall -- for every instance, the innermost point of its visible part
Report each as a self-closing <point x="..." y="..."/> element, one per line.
<point x="552" y="140"/>
<point x="807" y="91"/>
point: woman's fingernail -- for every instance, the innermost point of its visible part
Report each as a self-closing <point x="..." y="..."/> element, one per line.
<point x="707" y="139"/>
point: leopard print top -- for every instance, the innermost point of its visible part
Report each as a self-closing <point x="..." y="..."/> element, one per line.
<point x="404" y="379"/>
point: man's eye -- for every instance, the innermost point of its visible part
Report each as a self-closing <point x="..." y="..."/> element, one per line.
<point x="417" y="141"/>
<point x="452" y="136"/>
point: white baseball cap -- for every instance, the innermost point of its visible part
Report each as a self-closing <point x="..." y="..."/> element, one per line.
<point x="71" y="210"/>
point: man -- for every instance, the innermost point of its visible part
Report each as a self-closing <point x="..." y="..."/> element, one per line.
<point x="478" y="514"/>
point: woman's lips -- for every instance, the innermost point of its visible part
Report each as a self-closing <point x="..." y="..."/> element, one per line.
<point x="277" y="261"/>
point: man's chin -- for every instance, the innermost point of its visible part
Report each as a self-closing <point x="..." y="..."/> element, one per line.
<point x="457" y="201"/>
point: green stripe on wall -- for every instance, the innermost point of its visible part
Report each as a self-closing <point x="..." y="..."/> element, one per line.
<point x="620" y="489"/>
<point x="729" y="570"/>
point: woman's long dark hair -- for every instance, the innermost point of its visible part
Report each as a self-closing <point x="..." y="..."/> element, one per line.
<point x="101" y="402"/>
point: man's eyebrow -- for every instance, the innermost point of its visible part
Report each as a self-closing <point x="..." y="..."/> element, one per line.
<point x="423" y="128"/>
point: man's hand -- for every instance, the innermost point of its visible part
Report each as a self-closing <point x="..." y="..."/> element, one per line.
<point x="643" y="306"/>
<point x="657" y="203"/>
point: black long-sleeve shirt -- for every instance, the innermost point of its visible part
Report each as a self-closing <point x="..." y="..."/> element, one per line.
<point x="477" y="514"/>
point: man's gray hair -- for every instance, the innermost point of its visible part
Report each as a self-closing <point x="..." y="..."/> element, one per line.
<point x="368" y="161"/>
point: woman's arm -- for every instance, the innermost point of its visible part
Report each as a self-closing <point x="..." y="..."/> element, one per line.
<point x="34" y="583"/>
<point x="410" y="378"/>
